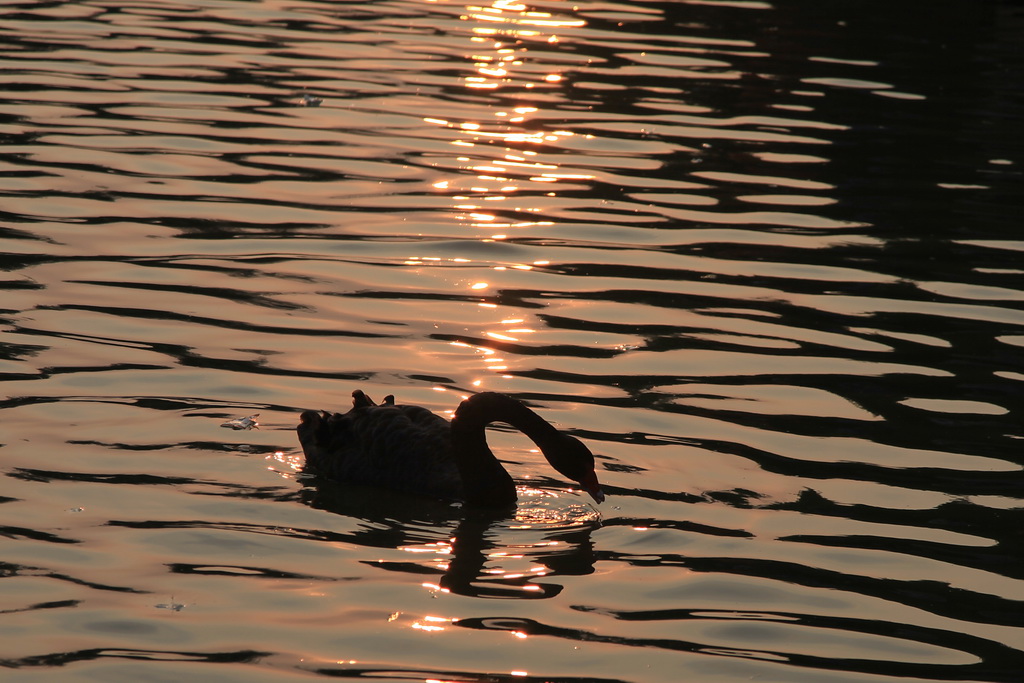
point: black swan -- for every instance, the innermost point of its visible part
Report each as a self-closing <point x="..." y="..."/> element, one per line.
<point x="408" y="448"/>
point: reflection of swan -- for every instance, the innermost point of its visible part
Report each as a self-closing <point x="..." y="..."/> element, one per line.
<point x="408" y="448"/>
<point x="480" y="552"/>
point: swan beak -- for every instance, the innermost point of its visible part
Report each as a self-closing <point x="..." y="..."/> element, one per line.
<point x="593" y="487"/>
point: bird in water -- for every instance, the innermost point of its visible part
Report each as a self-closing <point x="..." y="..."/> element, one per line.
<point x="409" y="448"/>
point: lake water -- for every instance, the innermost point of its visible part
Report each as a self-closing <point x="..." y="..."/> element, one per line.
<point x="765" y="258"/>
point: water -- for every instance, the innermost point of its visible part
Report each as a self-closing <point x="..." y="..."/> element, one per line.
<point x="763" y="257"/>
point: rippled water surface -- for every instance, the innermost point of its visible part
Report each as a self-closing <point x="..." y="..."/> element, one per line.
<point x="763" y="257"/>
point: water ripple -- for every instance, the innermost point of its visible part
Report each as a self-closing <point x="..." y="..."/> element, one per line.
<point x="763" y="258"/>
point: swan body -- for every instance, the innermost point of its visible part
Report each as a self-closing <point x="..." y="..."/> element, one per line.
<point x="409" y="448"/>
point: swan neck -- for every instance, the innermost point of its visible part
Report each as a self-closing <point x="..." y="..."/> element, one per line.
<point x="484" y="479"/>
<point x="475" y="413"/>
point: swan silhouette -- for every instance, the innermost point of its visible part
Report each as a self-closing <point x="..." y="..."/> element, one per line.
<point x="409" y="448"/>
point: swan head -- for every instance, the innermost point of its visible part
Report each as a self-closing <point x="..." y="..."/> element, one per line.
<point x="574" y="460"/>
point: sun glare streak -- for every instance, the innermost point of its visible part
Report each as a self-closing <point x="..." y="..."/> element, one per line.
<point x="285" y="464"/>
<point x="509" y="159"/>
<point x="435" y="587"/>
<point x="431" y="623"/>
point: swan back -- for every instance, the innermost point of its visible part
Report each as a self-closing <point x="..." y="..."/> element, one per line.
<point x="404" y="448"/>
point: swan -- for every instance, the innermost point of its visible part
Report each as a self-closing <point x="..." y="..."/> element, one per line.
<point x="409" y="448"/>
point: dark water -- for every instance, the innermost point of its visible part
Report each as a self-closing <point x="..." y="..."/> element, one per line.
<point x="765" y="258"/>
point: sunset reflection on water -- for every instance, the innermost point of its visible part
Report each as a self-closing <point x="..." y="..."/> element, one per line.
<point x="507" y="169"/>
<point x="762" y="258"/>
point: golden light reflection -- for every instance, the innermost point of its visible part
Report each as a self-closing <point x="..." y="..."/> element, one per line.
<point x="434" y="587"/>
<point x="508" y="333"/>
<point x="435" y="548"/>
<point x="285" y="464"/>
<point x="503" y="33"/>
<point x="432" y="623"/>
<point x="506" y="162"/>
